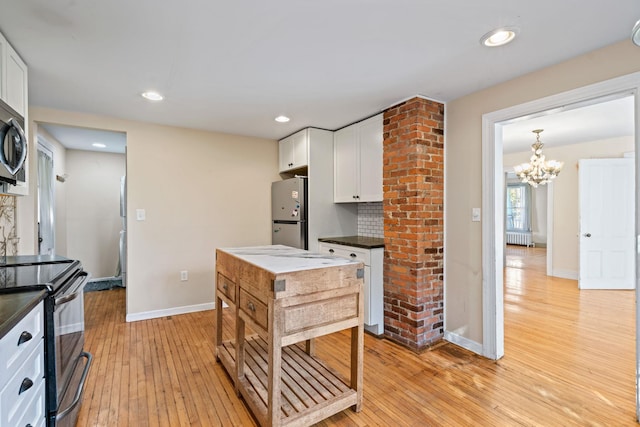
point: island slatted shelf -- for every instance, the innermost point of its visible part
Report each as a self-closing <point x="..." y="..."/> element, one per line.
<point x="289" y="296"/>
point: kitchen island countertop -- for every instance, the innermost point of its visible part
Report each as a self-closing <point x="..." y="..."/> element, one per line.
<point x="280" y="259"/>
<point x="356" y="241"/>
<point x="15" y="305"/>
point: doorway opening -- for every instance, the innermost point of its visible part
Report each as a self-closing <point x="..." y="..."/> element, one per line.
<point x="87" y="185"/>
<point x="493" y="197"/>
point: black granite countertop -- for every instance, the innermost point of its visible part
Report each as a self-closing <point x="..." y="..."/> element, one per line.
<point x="357" y="241"/>
<point x="15" y="305"/>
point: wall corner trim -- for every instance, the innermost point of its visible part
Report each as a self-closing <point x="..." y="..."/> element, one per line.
<point x="463" y="342"/>
<point x="174" y="311"/>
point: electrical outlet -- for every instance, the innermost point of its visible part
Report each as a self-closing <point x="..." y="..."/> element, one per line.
<point x="184" y="275"/>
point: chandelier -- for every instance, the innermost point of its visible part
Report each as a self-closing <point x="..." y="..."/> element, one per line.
<point x="538" y="171"/>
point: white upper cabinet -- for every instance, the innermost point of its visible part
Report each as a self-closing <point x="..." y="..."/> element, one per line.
<point x="293" y="151"/>
<point x="358" y="162"/>
<point x="16" y="82"/>
<point x="13" y="78"/>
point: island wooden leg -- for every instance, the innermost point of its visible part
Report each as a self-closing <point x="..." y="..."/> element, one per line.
<point x="310" y="347"/>
<point x="218" y="327"/>
<point x="239" y="345"/>
<point x="274" y="371"/>
<point x="357" y="356"/>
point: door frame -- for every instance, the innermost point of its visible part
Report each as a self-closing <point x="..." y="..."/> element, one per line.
<point x="492" y="200"/>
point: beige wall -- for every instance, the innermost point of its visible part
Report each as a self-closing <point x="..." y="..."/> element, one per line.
<point x="463" y="191"/>
<point x="93" y="209"/>
<point x="200" y="190"/>
<point x="565" y="195"/>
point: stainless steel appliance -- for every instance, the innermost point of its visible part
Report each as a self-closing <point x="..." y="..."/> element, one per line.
<point x="66" y="362"/>
<point x="13" y="145"/>
<point x="289" y="212"/>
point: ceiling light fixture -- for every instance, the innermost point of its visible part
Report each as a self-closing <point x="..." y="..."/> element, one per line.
<point x="538" y="171"/>
<point x="635" y="34"/>
<point x="99" y="145"/>
<point x="499" y="36"/>
<point x="282" y="119"/>
<point x="152" y="96"/>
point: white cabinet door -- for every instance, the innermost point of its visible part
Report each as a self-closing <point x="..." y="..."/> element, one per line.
<point x="4" y="44"/>
<point x="16" y="89"/>
<point x="300" y="149"/>
<point x="370" y="170"/>
<point x="358" y="162"/>
<point x="345" y="187"/>
<point x="285" y="153"/>
<point x="293" y="151"/>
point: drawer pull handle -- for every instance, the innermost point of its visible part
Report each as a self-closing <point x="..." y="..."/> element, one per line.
<point x="24" y="337"/>
<point x="26" y="385"/>
<point x="352" y="255"/>
<point x="225" y="287"/>
<point x="331" y="251"/>
<point x="251" y="306"/>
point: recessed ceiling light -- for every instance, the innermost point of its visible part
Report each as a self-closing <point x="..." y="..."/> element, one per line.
<point x="99" y="145"/>
<point x="152" y="96"/>
<point x="499" y="36"/>
<point x="282" y="119"/>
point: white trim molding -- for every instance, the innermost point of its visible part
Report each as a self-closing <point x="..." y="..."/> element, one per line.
<point x="174" y="311"/>
<point x="463" y="342"/>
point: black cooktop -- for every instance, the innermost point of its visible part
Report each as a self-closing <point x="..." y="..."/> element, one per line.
<point x="49" y="276"/>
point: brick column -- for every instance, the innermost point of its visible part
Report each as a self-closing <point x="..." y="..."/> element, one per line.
<point x="413" y="182"/>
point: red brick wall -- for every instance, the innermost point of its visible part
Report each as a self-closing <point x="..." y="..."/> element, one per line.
<point x="413" y="181"/>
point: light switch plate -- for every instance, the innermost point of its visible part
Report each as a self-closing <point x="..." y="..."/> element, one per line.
<point x="141" y="214"/>
<point x="475" y="214"/>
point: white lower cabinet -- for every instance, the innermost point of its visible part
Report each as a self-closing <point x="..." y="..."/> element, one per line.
<point x="22" y="394"/>
<point x="373" y="288"/>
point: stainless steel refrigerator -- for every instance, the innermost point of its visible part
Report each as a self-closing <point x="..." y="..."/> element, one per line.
<point x="289" y="212"/>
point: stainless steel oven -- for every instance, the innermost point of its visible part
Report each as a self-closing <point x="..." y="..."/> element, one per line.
<point x="71" y="361"/>
<point x="66" y="363"/>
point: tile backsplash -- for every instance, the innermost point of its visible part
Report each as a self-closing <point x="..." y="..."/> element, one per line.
<point x="370" y="220"/>
<point x="8" y="238"/>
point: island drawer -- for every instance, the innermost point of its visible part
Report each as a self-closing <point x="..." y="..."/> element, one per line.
<point x="314" y="314"/>
<point x="227" y="287"/>
<point x="255" y="309"/>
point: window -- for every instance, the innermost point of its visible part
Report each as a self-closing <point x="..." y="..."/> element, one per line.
<point x="518" y="207"/>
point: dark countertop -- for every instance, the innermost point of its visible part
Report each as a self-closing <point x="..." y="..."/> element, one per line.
<point x="357" y="241"/>
<point x="15" y="305"/>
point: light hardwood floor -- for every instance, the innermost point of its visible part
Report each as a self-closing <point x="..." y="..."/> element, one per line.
<point x="569" y="361"/>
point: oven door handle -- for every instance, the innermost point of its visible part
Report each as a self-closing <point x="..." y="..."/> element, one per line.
<point x="83" y="378"/>
<point x="83" y="276"/>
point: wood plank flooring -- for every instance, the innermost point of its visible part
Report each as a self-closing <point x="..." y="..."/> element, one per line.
<point x="570" y="360"/>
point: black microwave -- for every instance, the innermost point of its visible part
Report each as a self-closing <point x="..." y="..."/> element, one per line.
<point x="13" y="145"/>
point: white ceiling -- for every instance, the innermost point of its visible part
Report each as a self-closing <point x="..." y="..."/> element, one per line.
<point x="234" y="66"/>
<point x="596" y="121"/>
<point x="77" y="138"/>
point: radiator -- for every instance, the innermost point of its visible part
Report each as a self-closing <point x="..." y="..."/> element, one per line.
<point x="519" y="238"/>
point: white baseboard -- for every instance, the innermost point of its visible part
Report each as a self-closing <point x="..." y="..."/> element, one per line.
<point x="154" y="314"/>
<point x="565" y="274"/>
<point x="463" y="342"/>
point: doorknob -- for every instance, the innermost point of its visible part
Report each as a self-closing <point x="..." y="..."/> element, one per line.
<point x="587" y="234"/>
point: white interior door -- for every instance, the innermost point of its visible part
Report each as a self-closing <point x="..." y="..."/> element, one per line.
<point x="46" y="220"/>
<point x="607" y="209"/>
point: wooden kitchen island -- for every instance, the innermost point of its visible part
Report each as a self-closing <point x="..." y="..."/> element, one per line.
<point x="288" y="296"/>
